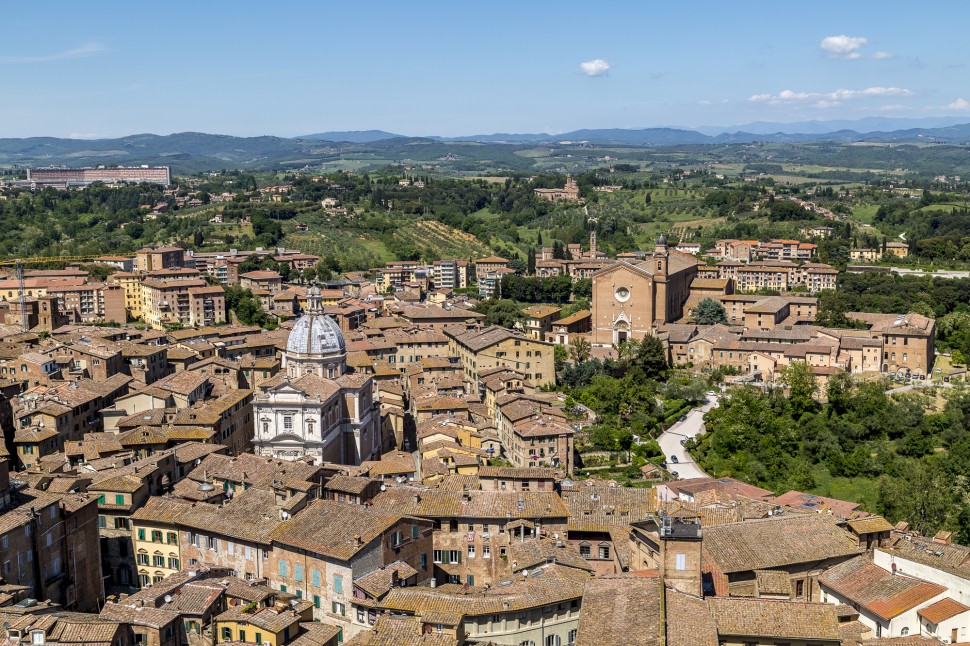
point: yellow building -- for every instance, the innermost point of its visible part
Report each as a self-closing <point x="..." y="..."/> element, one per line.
<point x="155" y="540"/>
<point x="131" y="283"/>
<point x="276" y="626"/>
<point x="497" y="347"/>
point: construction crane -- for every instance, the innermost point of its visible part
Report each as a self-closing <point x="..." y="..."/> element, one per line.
<point x="19" y="264"/>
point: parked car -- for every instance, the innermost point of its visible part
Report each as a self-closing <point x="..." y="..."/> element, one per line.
<point x="675" y="474"/>
<point x="683" y="442"/>
<point x="711" y="393"/>
<point x="673" y="459"/>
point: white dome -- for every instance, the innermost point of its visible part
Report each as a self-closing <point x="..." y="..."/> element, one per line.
<point x="316" y="334"/>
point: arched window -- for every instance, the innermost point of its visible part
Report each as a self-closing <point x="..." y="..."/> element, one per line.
<point x="904" y="632"/>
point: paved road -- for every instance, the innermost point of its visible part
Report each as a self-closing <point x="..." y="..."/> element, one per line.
<point x="669" y="441"/>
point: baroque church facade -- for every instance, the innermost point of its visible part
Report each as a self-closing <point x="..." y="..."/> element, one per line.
<point x="314" y="407"/>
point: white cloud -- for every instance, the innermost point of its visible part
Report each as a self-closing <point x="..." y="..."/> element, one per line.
<point x="960" y="105"/>
<point x="595" y="67"/>
<point x="843" y="47"/>
<point x="849" y="48"/>
<point x="85" y="49"/>
<point x="828" y="99"/>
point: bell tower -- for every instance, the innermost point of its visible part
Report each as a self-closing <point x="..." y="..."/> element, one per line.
<point x="660" y="255"/>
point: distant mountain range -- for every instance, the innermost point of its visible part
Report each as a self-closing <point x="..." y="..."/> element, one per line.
<point x="190" y="152"/>
<point x="874" y="129"/>
<point x="352" y="136"/>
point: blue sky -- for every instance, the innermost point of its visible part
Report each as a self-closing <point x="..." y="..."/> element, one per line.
<point x="450" y="68"/>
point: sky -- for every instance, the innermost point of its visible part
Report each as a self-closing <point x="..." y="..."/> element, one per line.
<point x="100" y="69"/>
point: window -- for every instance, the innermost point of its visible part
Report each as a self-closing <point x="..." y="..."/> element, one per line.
<point x="316" y="601"/>
<point x="436" y="556"/>
<point x="414" y="531"/>
<point x="173" y="563"/>
<point x="338" y="584"/>
<point x="681" y="562"/>
<point x="604" y="551"/>
<point x="288" y="422"/>
<point x="799" y="589"/>
<point x="338" y="608"/>
<point x="571" y="639"/>
<point x="553" y="640"/>
<point x="121" y="523"/>
<point x="454" y="557"/>
<point x="259" y="638"/>
<point x="102" y="522"/>
<point x="471" y="551"/>
<point x="486" y="551"/>
<point x="282" y="568"/>
<point x="158" y="561"/>
<point x="173" y="538"/>
<point x="584" y="550"/>
<point x="119" y="499"/>
<point x="470" y="579"/>
<point x="298" y="572"/>
<point x="424" y="561"/>
<point x="227" y="634"/>
<point x="142" y="559"/>
<point x="101" y="499"/>
<point x="315" y="577"/>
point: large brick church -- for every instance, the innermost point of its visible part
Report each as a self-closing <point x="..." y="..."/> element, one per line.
<point x="631" y="298"/>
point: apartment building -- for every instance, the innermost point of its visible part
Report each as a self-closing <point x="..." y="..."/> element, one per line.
<point x="494" y="346"/>
<point x="155" y="258"/>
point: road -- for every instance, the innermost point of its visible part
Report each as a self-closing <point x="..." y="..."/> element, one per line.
<point x="669" y="441"/>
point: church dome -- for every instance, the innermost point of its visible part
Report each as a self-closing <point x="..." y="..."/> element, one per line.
<point x="316" y="334"/>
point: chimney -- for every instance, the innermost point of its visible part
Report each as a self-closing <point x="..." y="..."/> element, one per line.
<point x="358" y="541"/>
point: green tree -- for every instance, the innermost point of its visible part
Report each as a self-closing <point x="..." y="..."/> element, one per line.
<point x="799" y="381"/>
<point x="580" y="348"/>
<point x="504" y="312"/>
<point x="710" y="311"/>
<point x="648" y="358"/>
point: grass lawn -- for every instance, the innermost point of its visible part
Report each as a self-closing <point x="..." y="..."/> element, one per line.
<point x="859" y="489"/>
<point x="865" y="213"/>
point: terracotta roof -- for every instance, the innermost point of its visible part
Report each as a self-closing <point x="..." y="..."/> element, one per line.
<point x="596" y="506"/>
<point x="870" y="525"/>
<point x="621" y="610"/>
<point x="777" y="542"/>
<point x="942" y="610"/>
<point x="774" y="619"/>
<point x="689" y="621"/>
<point x="330" y="528"/>
<point x="380" y="581"/>
<point x="400" y="630"/>
<point x="880" y="592"/>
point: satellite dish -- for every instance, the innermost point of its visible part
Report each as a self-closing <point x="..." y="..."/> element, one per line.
<point x="168" y="598"/>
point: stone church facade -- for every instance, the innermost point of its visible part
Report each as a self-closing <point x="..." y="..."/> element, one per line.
<point x="314" y="407"/>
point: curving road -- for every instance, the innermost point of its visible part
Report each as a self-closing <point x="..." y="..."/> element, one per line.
<point x="669" y="441"/>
